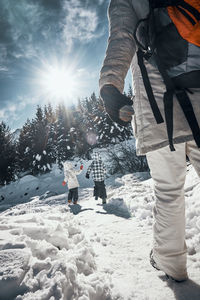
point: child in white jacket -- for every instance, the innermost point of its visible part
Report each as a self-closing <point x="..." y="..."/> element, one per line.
<point x="70" y="178"/>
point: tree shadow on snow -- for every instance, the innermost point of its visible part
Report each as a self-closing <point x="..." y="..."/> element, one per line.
<point x="76" y="209"/>
<point x="187" y="290"/>
<point x="116" y="207"/>
<point x="23" y="197"/>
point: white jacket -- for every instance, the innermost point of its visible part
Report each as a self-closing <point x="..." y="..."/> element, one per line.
<point x="120" y="55"/>
<point x="70" y="175"/>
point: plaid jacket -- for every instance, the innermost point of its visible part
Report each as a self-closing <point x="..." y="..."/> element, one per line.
<point x="97" y="168"/>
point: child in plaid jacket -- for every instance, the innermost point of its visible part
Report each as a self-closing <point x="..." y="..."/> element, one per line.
<point x="98" y="170"/>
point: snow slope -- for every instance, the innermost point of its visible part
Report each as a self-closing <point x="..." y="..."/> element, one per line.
<point x="49" y="250"/>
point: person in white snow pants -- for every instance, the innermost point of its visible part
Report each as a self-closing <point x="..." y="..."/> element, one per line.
<point x="168" y="169"/>
<point x="70" y="178"/>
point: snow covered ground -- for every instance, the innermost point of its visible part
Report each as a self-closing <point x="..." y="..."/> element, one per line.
<point x="52" y="251"/>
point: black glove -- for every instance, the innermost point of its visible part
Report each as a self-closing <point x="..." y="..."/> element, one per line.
<point x="116" y="103"/>
<point x="87" y="176"/>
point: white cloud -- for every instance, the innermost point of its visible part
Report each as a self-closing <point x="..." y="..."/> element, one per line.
<point x="3" y="69"/>
<point x="81" y="23"/>
<point x="101" y="2"/>
<point x="9" y="113"/>
<point x="23" y="19"/>
<point x="3" y="52"/>
<point x="2" y="114"/>
<point x="32" y="27"/>
<point x="86" y="74"/>
<point x="12" y="111"/>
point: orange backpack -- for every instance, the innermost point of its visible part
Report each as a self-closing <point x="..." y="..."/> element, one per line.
<point x="174" y="48"/>
<point x="186" y="17"/>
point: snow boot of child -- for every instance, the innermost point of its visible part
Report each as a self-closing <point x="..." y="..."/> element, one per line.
<point x="155" y="266"/>
<point x="103" y="201"/>
<point x="75" y="202"/>
<point x="69" y="201"/>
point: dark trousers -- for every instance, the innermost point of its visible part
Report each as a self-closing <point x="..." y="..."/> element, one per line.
<point x="73" y="194"/>
<point x="100" y="189"/>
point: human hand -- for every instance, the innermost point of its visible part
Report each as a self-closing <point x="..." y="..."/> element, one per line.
<point x="118" y="106"/>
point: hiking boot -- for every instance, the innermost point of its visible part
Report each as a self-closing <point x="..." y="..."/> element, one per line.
<point x="176" y="280"/>
<point x="152" y="261"/>
<point x="75" y="202"/>
<point x="154" y="265"/>
<point x="69" y="201"/>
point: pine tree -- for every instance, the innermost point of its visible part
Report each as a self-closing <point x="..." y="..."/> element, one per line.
<point x="7" y="154"/>
<point x="91" y="117"/>
<point x="108" y="131"/>
<point x="42" y="151"/>
<point x="100" y="124"/>
<point x="64" y="142"/>
<point x="25" y="147"/>
<point x="130" y="91"/>
<point x="49" y="121"/>
<point x="33" y="145"/>
<point x="80" y="136"/>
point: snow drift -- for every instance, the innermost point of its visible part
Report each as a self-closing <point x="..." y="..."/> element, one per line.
<point x="49" y="250"/>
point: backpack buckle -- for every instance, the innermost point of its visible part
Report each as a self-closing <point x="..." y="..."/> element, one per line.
<point x="148" y="53"/>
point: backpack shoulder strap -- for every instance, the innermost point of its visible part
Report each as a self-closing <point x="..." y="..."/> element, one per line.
<point x="148" y="88"/>
<point x="171" y="89"/>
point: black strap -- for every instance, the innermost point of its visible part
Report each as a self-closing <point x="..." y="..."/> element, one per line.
<point x="171" y="90"/>
<point x="188" y="111"/>
<point x="148" y="88"/>
<point x="168" y="107"/>
<point x="191" y="9"/>
<point x="182" y="3"/>
<point x="190" y="19"/>
<point x="182" y="98"/>
<point x="184" y="102"/>
<point x="168" y="100"/>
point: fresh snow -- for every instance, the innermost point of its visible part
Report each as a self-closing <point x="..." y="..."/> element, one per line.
<point x="50" y="250"/>
<point x="38" y="157"/>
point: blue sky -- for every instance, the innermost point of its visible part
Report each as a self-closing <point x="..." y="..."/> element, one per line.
<point x="38" y="37"/>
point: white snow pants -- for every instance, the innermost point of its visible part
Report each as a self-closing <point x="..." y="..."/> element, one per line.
<point x="168" y="170"/>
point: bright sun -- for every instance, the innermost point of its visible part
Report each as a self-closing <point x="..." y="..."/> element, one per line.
<point x="57" y="82"/>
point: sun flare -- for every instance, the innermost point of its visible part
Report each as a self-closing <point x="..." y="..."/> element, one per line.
<point x="58" y="82"/>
